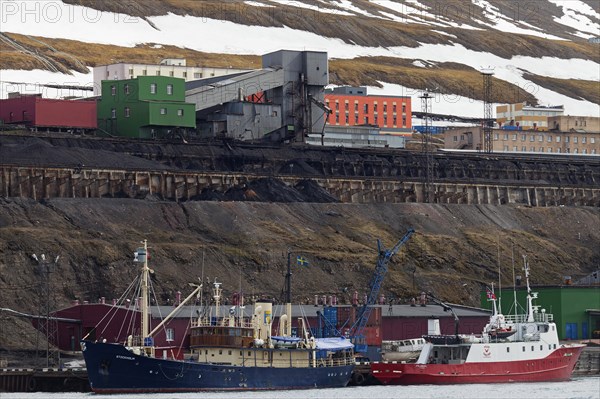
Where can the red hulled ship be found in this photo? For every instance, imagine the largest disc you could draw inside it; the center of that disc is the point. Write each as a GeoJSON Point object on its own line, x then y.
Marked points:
{"type": "Point", "coordinates": [511, 348]}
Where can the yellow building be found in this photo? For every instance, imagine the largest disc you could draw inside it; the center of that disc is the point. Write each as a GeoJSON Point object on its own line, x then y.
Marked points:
{"type": "Point", "coordinates": [555, 142]}
{"type": "Point", "coordinates": [526, 116]}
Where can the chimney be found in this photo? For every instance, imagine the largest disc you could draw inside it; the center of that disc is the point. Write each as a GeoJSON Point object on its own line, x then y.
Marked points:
{"type": "Point", "coordinates": [178, 296]}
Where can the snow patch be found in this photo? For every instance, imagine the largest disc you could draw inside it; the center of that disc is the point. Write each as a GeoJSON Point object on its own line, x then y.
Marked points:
{"type": "Point", "coordinates": [575, 15]}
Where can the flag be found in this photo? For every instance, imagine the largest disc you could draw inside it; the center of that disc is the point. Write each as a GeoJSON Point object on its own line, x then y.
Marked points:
{"type": "Point", "coordinates": [490, 294]}
{"type": "Point", "coordinates": [301, 260]}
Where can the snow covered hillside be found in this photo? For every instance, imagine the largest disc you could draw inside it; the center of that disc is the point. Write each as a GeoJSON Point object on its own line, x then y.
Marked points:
{"type": "Point", "coordinates": [544, 38]}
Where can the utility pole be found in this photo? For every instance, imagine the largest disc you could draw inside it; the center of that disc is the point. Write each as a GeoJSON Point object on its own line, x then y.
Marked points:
{"type": "Point", "coordinates": [45, 325]}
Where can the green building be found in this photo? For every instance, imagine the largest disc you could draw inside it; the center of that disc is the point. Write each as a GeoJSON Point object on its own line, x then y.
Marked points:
{"type": "Point", "coordinates": [576, 309]}
{"type": "Point", "coordinates": [145, 107]}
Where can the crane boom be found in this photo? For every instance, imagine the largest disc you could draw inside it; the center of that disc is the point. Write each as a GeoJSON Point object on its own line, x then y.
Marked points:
{"type": "Point", "coordinates": [383, 259]}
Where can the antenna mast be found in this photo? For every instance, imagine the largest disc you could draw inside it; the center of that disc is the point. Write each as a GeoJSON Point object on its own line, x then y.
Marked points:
{"type": "Point", "coordinates": [426, 147]}
{"type": "Point", "coordinates": [488, 115]}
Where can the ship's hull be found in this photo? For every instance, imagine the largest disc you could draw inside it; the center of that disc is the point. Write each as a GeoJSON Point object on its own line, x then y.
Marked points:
{"type": "Point", "coordinates": [113, 369]}
{"type": "Point", "coordinates": [558, 366]}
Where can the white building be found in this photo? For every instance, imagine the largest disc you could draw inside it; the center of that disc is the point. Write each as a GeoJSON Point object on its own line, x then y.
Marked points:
{"type": "Point", "coordinates": [174, 67]}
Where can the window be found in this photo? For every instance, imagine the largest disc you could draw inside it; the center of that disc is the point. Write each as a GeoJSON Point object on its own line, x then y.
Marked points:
{"type": "Point", "coordinates": [366, 109]}
{"type": "Point", "coordinates": [171, 73]}
{"type": "Point", "coordinates": [507, 349]}
{"type": "Point", "coordinates": [566, 139]}
{"type": "Point", "coordinates": [505, 136]}
{"type": "Point", "coordinates": [337, 105]}
{"type": "Point", "coordinates": [394, 121]}
{"type": "Point", "coordinates": [170, 90]}
{"type": "Point", "coordinates": [375, 120]}
{"type": "Point", "coordinates": [403, 121]}
{"type": "Point", "coordinates": [575, 139]}
{"type": "Point", "coordinates": [127, 112]}
{"type": "Point", "coordinates": [403, 108]}
{"type": "Point", "coordinates": [113, 90]}
{"type": "Point", "coordinates": [384, 107]}
{"type": "Point", "coordinates": [179, 112]}
{"type": "Point", "coordinates": [540, 138]}
{"type": "Point", "coordinates": [126, 89]}
{"type": "Point", "coordinates": [197, 75]}
{"type": "Point", "coordinates": [514, 137]}
{"type": "Point", "coordinates": [170, 334]}
{"type": "Point", "coordinates": [337, 118]}
{"type": "Point", "coordinates": [523, 137]}
{"type": "Point", "coordinates": [455, 138]}
{"type": "Point", "coordinates": [130, 71]}
{"type": "Point", "coordinates": [523, 349]}
{"type": "Point", "coordinates": [113, 113]}
{"type": "Point", "coordinates": [583, 140]}
{"type": "Point", "coordinates": [541, 149]}
{"type": "Point", "coordinates": [592, 140]}
{"type": "Point", "coordinates": [558, 139]}
{"type": "Point", "coordinates": [393, 107]}
{"type": "Point", "coordinates": [496, 136]}
{"type": "Point", "coordinates": [366, 120]}
{"type": "Point", "coordinates": [532, 138]}
{"type": "Point", "coordinates": [158, 72]}
{"type": "Point", "coordinates": [152, 88]}
{"type": "Point", "coordinates": [356, 119]}
{"type": "Point", "coordinates": [549, 140]}
{"type": "Point", "coordinates": [523, 149]}
{"type": "Point", "coordinates": [347, 119]}
{"type": "Point", "coordinates": [505, 149]}
{"type": "Point", "coordinates": [346, 106]}
{"type": "Point", "coordinates": [375, 107]}
{"type": "Point", "coordinates": [144, 72]}
{"type": "Point", "coordinates": [184, 75]}
{"type": "Point", "coordinates": [163, 111]}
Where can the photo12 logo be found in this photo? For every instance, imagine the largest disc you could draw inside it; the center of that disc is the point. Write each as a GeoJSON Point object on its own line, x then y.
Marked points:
{"type": "Point", "coordinates": [55, 12]}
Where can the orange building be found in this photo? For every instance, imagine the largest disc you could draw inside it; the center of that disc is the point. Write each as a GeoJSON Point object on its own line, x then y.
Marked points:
{"type": "Point", "coordinates": [351, 106]}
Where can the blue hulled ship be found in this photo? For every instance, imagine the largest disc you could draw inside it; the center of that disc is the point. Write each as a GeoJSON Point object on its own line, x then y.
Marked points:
{"type": "Point", "coordinates": [227, 352]}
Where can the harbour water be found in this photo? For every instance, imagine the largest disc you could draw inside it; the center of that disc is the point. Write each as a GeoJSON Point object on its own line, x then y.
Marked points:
{"type": "Point", "coordinates": [577, 388]}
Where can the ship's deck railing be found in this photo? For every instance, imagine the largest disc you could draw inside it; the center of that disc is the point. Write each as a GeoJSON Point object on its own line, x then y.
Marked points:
{"type": "Point", "coordinates": [522, 318]}
{"type": "Point", "coordinates": [222, 322]}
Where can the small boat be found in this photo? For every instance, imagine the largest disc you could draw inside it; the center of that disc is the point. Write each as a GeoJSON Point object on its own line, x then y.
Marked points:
{"type": "Point", "coordinates": [511, 348]}
{"type": "Point", "coordinates": [228, 352]}
{"type": "Point", "coordinates": [402, 350]}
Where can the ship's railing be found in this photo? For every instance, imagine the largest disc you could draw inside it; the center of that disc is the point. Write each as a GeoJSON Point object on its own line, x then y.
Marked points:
{"type": "Point", "coordinates": [522, 318]}
{"type": "Point", "coordinates": [222, 322]}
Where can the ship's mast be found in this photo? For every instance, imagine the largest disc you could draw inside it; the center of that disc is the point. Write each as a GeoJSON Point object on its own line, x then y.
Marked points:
{"type": "Point", "coordinates": [529, 296]}
{"type": "Point", "coordinates": [144, 304]}
{"type": "Point", "coordinates": [288, 296]}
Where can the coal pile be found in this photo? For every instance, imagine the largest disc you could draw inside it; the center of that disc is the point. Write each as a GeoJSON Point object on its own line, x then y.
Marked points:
{"type": "Point", "coordinates": [38, 152]}
{"type": "Point", "coordinates": [269, 190]}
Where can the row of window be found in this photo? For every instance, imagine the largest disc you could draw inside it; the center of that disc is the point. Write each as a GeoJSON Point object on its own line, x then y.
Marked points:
{"type": "Point", "coordinates": [153, 89]}
{"type": "Point", "coordinates": [540, 138]}
{"type": "Point", "coordinates": [366, 120]}
{"type": "Point", "coordinates": [366, 107]}
{"type": "Point", "coordinates": [184, 74]}
{"type": "Point", "coordinates": [549, 149]}
{"type": "Point", "coordinates": [127, 112]}
{"type": "Point", "coordinates": [550, 346]}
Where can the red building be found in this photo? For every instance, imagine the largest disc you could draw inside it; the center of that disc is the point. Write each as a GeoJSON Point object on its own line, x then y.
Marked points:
{"type": "Point", "coordinates": [102, 321]}
{"type": "Point", "coordinates": [351, 106]}
{"type": "Point", "coordinates": [36, 112]}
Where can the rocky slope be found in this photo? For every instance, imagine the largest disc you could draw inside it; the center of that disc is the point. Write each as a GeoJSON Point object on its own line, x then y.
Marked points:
{"type": "Point", "coordinates": [245, 243]}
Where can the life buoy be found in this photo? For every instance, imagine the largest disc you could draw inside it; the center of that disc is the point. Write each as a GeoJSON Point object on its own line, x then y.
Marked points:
{"type": "Point", "coordinates": [358, 378]}
{"type": "Point", "coordinates": [31, 384]}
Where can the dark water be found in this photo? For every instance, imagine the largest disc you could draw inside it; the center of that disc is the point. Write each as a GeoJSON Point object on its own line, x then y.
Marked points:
{"type": "Point", "coordinates": [578, 388]}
